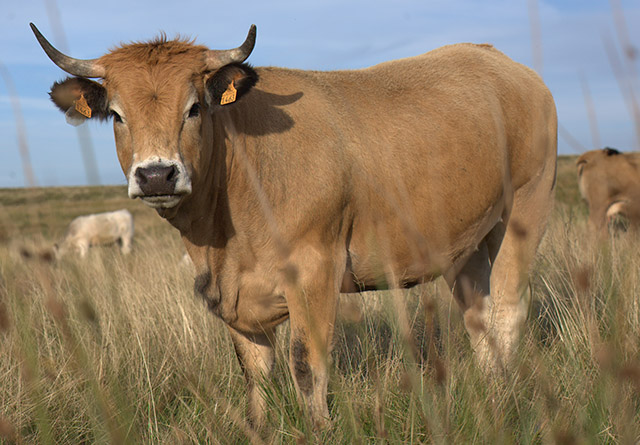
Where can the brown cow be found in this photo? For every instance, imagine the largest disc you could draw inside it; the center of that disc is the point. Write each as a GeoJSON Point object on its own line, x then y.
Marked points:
{"type": "Point", "coordinates": [289, 186]}
{"type": "Point", "coordinates": [610, 183]}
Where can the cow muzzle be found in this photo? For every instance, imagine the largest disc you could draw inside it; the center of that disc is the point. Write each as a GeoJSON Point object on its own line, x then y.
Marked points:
{"type": "Point", "coordinates": [159, 184]}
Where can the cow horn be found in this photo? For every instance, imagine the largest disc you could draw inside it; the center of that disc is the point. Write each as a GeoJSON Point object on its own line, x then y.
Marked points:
{"type": "Point", "coordinates": [75, 67]}
{"type": "Point", "coordinates": [218, 58]}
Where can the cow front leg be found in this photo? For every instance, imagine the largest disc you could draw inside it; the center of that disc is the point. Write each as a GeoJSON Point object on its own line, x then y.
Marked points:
{"type": "Point", "coordinates": [312, 311]}
{"type": "Point", "coordinates": [255, 353]}
{"type": "Point", "coordinates": [309, 361]}
{"type": "Point", "coordinates": [125, 244]}
{"type": "Point", "coordinates": [83, 248]}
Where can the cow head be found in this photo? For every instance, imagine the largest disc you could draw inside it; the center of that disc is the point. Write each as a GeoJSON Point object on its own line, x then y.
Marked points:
{"type": "Point", "coordinates": [161, 96]}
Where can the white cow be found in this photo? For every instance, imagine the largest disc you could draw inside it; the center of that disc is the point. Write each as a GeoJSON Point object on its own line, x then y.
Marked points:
{"type": "Point", "coordinates": [99, 229]}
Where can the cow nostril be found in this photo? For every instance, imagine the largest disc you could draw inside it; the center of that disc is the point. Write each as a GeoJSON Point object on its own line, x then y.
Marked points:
{"type": "Point", "coordinates": [171, 174]}
{"type": "Point", "coordinates": [141, 176]}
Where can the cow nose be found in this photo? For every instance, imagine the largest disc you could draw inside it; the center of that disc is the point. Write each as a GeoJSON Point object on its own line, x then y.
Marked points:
{"type": "Point", "coordinates": [157, 179]}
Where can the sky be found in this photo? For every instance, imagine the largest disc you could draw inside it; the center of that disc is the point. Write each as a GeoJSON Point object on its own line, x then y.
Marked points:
{"type": "Point", "coordinates": [579, 47]}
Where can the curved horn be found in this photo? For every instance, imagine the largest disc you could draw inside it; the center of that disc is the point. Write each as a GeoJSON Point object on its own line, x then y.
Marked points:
{"type": "Point", "coordinates": [76, 67]}
{"type": "Point", "coordinates": [217, 58]}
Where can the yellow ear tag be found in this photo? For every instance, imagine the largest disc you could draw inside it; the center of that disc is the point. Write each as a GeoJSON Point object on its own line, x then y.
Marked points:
{"type": "Point", "coordinates": [83, 107]}
{"type": "Point", "coordinates": [229, 95]}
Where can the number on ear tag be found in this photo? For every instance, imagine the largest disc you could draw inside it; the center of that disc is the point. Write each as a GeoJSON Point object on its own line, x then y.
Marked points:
{"type": "Point", "coordinates": [229, 95]}
{"type": "Point", "coordinates": [83, 107]}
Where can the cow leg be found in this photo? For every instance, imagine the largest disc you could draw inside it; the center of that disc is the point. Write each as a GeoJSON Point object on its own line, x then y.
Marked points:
{"type": "Point", "coordinates": [492, 285]}
{"type": "Point", "coordinates": [471, 288]}
{"type": "Point", "coordinates": [83, 248]}
{"type": "Point", "coordinates": [513, 260]}
{"type": "Point", "coordinates": [312, 310]}
{"type": "Point", "coordinates": [256, 355]}
{"type": "Point", "coordinates": [125, 246]}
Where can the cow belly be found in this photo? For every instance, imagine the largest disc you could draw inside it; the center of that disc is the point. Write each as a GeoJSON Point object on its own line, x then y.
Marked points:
{"type": "Point", "coordinates": [368, 271]}
{"type": "Point", "coordinates": [396, 256]}
{"type": "Point", "coordinates": [103, 238]}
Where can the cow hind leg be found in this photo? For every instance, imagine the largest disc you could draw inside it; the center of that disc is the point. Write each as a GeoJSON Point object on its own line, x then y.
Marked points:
{"type": "Point", "coordinates": [510, 295]}
{"type": "Point", "coordinates": [492, 287]}
{"type": "Point", "coordinates": [256, 356]}
{"type": "Point", "coordinates": [470, 285]}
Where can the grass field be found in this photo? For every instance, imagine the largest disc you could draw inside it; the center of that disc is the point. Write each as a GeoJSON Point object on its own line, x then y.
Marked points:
{"type": "Point", "coordinates": [116, 349]}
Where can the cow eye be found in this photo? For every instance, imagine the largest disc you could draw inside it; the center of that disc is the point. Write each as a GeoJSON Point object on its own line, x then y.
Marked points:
{"type": "Point", "coordinates": [116, 116]}
{"type": "Point", "coordinates": [195, 110]}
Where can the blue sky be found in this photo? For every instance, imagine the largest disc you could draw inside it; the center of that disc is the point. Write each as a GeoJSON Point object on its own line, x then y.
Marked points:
{"type": "Point", "coordinates": [325, 35]}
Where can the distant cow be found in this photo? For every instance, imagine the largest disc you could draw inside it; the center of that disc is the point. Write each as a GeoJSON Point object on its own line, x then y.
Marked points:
{"type": "Point", "coordinates": [98, 229]}
{"type": "Point", "coordinates": [610, 183]}
{"type": "Point", "coordinates": [291, 186]}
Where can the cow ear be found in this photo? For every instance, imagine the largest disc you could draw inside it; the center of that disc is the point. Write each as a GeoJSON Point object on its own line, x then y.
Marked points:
{"type": "Point", "coordinates": [580, 164]}
{"type": "Point", "coordinates": [229, 84]}
{"type": "Point", "coordinates": [80, 98]}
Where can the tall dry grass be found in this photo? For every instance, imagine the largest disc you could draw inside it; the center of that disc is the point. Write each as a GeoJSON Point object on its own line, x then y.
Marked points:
{"type": "Point", "coordinates": [117, 349]}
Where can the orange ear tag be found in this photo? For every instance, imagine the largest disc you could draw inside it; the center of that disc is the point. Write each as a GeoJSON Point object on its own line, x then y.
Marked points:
{"type": "Point", "coordinates": [229, 95]}
{"type": "Point", "coordinates": [83, 107]}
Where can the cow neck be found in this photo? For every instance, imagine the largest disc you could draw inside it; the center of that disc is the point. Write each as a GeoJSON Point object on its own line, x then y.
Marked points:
{"type": "Point", "coordinates": [204, 219]}
{"type": "Point", "coordinates": [250, 213]}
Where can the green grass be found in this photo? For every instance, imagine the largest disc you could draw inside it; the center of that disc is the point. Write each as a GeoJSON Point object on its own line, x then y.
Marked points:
{"type": "Point", "coordinates": [117, 349]}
